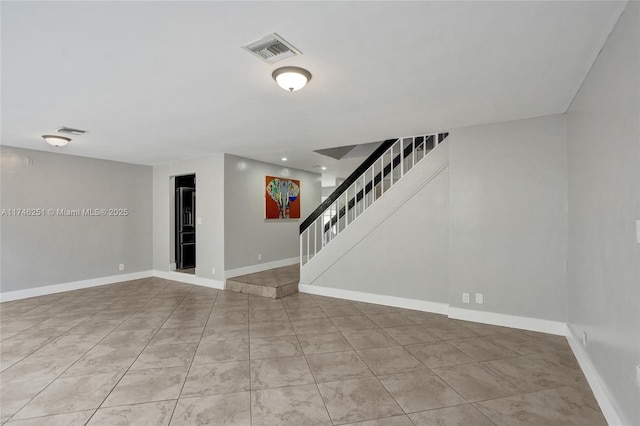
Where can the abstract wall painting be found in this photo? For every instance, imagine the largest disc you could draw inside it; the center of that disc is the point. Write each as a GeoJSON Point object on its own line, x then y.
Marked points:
{"type": "Point", "coordinates": [282, 197]}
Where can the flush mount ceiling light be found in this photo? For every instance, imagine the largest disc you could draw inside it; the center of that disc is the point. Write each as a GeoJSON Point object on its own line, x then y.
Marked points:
{"type": "Point", "coordinates": [56, 140]}
{"type": "Point", "coordinates": [291, 78]}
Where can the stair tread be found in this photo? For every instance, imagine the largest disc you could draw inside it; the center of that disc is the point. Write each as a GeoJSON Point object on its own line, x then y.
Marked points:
{"type": "Point", "coordinates": [273, 283]}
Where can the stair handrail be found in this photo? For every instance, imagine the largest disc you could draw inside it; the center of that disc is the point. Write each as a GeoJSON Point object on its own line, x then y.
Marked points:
{"type": "Point", "coordinates": [406, 152]}
{"type": "Point", "coordinates": [371, 159]}
{"type": "Point", "coordinates": [348, 201]}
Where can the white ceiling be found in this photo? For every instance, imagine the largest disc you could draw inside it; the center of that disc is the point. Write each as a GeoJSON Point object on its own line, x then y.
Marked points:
{"type": "Point", "coordinates": [155, 82]}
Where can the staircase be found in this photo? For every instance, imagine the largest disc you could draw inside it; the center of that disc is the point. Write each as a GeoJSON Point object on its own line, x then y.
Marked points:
{"type": "Point", "coordinates": [385, 167]}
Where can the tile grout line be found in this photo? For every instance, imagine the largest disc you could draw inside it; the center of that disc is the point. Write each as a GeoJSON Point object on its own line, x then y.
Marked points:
{"type": "Point", "coordinates": [315, 381]}
{"type": "Point", "coordinates": [365, 363]}
{"type": "Point", "coordinates": [141, 351]}
{"type": "Point", "coordinates": [402, 346]}
{"type": "Point", "coordinates": [382, 384]}
{"type": "Point", "coordinates": [72, 364]}
{"type": "Point", "coordinates": [46, 342]}
{"type": "Point", "coordinates": [378, 327]}
{"type": "Point", "coordinates": [186, 377]}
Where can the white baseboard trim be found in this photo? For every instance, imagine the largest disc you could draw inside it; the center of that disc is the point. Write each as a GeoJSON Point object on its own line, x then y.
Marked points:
{"type": "Point", "coordinates": [260, 267]}
{"type": "Point", "coordinates": [74, 285]}
{"type": "Point", "coordinates": [189, 279]}
{"type": "Point", "coordinates": [599, 388]}
{"type": "Point", "coordinates": [397, 302]}
{"type": "Point", "coordinates": [524, 323]}
{"type": "Point", "coordinates": [512, 321]}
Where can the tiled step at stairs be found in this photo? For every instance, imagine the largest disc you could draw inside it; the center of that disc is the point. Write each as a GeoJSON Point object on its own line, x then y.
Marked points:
{"type": "Point", "coordinates": [273, 283]}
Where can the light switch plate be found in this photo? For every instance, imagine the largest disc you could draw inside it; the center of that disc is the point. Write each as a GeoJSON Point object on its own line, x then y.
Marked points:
{"type": "Point", "coordinates": [465, 297]}
{"type": "Point", "coordinates": [479, 298]}
{"type": "Point", "coordinates": [199, 221]}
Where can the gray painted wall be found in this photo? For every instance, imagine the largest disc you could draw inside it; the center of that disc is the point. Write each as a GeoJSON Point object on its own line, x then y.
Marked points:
{"type": "Point", "coordinates": [508, 226]}
{"type": "Point", "coordinates": [603, 128]}
{"type": "Point", "coordinates": [209, 173]}
{"type": "Point", "coordinates": [503, 232]}
{"type": "Point", "coordinates": [247, 232]}
{"type": "Point", "coordinates": [40, 251]}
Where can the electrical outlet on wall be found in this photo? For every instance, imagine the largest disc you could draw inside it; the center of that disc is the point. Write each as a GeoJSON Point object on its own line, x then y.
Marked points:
{"type": "Point", "coordinates": [121, 267]}
{"type": "Point", "coordinates": [213, 271]}
{"type": "Point", "coordinates": [638, 375]}
{"type": "Point", "coordinates": [584, 339]}
{"type": "Point", "coordinates": [465, 297]}
{"type": "Point", "coordinates": [479, 298]}
{"type": "Point", "coordinates": [259, 256]}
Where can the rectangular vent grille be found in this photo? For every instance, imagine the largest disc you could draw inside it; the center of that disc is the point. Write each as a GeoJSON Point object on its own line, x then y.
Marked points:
{"type": "Point", "coordinates": [272, 49]}
{"type": "Point", "coordinates": [70, 131]}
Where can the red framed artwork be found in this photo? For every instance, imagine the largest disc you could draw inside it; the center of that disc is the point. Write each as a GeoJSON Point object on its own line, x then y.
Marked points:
{"type": "Point", "coordinates": [282, 198]}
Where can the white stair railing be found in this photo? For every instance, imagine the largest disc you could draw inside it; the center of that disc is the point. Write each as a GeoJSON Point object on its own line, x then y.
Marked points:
{"type": "Point", "coordinates": [361, 190]}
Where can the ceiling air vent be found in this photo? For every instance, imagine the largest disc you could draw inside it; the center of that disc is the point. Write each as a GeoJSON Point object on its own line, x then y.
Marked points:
{"type": "Point", "coordinates": [272, 49]}
{"type": "Point", "coordinates": [70, 131]}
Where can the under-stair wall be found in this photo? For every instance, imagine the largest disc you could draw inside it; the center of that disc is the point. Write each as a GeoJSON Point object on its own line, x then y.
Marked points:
{"type": "Point", "coordinates": [398, 249]}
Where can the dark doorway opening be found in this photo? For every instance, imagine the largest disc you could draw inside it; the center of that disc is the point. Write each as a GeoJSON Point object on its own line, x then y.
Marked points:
{"type": "Point", "coordinates": [185, 223]}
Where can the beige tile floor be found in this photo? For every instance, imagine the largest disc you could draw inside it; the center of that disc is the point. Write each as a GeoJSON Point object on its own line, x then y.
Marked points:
{"type": "Point", "coordinates": [158, 352]}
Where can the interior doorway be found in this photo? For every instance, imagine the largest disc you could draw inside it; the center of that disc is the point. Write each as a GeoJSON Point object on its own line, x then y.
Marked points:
{"type": "Point", "coordinates": [185, 223]}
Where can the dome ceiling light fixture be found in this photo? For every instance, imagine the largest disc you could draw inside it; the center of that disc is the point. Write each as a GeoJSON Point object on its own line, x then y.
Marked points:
{"type": "Point", "coordinates": [291, 78]}
{"type": "Point", "coordinates": [55, 140]}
